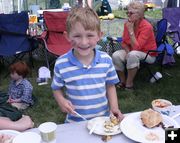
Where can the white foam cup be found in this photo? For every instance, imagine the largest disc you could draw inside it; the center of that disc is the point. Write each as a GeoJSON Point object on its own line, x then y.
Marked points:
{"type": "Point", "coordinates": [157, 75]}
{"type": "Point", "coordinates": [178, 50]}
{"type": "Point", "coordinates": [48, 132]}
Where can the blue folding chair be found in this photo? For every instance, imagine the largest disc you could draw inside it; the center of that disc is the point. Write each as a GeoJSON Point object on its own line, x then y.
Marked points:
{"type": "Point", "coordinates": [14, 42]}
{"type": "Point", "coordinates": [164, 49]}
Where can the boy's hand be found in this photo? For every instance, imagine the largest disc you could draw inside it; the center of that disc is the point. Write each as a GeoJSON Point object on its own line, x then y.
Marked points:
{"type": "Point", "coordinates": [66, 106]}
{"type": "Point", "coordinates": [117, 113]}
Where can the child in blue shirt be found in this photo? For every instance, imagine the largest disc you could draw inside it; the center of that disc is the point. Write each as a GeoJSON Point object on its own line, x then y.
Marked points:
{"type": "Point", "coordinates": [20, 89]}
{"type": "Point", "coordinates": [87, 74]}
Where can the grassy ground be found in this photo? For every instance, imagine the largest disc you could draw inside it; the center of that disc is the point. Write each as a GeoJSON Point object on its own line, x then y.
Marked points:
{"type": "Point", "coordinates": [46, 109]}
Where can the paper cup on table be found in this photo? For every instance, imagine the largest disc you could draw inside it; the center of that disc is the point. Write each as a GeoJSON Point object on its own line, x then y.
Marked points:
{"type": "Point", "coordinates": [48, 132]}
{"type": "Point", "coordinates": [27, 137]}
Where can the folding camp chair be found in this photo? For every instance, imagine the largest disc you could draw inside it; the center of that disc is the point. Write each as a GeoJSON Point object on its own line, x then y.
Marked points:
{"type": "Point", "coordinates": [164, 50]}
{"type": "Point", "coordinates": [53, 38]}
{"type": "Point", "coordinates": [173, 17]}
{"type": "Point", "coordinates": [14, 42]}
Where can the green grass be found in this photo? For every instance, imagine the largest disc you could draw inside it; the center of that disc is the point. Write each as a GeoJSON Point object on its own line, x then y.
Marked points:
{"type": "Point", "coordinates": [46, 109]}
{"type": "Point", "coordinates": [145, 91]}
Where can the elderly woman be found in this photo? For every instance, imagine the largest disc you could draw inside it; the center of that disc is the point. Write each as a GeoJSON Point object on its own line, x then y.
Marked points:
{"type": "Point", "coordinates": [138, 39]}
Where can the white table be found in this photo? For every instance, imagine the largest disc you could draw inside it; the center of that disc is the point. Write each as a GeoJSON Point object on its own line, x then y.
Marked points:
{"type": "Point", "coordinates": [78, 133]}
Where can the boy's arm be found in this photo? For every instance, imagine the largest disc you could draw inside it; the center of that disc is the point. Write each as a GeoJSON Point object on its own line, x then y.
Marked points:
{"type": "Point", "coordinates": [65, 105]}
{"type": "Point", "coordinates": [113, 101]}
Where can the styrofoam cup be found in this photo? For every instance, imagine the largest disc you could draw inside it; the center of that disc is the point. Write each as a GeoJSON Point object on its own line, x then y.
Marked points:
{"type": "Point", "coordinates": [48, 132]}
{"type": "Point", "coordinates": [178, 50]}
{"type": "Point", "coordinates": [157, 75]}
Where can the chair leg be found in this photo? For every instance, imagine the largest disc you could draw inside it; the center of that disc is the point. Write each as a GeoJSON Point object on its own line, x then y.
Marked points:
{"type": "Point", "coordinates": [46, 56]}
{"type": "Point", "coordinates": [31, 59]}
{"type": "Point", "coordinates": [150, 72]}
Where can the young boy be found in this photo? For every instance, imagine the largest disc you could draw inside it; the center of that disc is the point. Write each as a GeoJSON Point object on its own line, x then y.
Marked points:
{"type": "Point", "coordinates": [87, 74]}
{"type": "Point", "coordinates": [20, 89]}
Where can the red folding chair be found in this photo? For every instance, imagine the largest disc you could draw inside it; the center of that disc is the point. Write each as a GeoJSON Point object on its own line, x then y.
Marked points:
{"type": "Point", "coordinates": [53, 38]}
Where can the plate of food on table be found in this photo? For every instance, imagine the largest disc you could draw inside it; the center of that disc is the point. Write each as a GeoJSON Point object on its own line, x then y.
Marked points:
{"type": "Point", "coordinates": [104, 125]}
{"type": "Point", "coordinates": [7, 136]}
{"type": "Point", "coordinates": [147, 126]}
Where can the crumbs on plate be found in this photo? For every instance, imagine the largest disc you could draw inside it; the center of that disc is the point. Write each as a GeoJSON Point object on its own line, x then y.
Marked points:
{"type": "Point", "coordinates": [152, 136]}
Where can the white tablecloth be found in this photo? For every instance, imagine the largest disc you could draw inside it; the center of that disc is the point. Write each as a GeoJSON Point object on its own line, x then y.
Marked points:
{"type": "Point", "coordinates": [78, 132]}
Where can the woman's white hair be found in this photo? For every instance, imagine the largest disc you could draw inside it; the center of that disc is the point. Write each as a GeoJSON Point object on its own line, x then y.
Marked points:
{"type": "Point", "coordinates": [137, 6]}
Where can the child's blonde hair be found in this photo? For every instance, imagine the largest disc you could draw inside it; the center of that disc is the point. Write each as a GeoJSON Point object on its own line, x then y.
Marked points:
{"type": "Point", "coordinates": [86, 16]}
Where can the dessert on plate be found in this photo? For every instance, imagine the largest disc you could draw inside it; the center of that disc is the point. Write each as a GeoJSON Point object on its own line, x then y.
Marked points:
{"type": "Point", "coordinates": [110, 124]}
{"type": "Point", "coordinates": [161, 103]}
{"type": "Point", "coordinates": [151, 118]}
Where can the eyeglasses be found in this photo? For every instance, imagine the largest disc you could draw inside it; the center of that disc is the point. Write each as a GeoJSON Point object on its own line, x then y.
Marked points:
{"type": "Point", "coordinates": [130, 13]}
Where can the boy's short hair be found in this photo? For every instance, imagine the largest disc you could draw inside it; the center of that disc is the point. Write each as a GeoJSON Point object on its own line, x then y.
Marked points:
{"type": "Point", "coordinates": [86, 16]}
{"type": "Point", "coordinates": [21, 68]}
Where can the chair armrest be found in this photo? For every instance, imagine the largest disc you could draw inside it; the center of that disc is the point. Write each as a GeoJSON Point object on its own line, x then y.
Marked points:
{"type": "Point", "coordinates": [151, 51]}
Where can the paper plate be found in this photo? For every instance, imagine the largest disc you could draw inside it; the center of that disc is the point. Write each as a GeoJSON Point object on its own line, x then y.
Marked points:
{"type": "Point", "coordinates": [27, 137]}
{"type": "Point", "coordinates": [9, 132]}
{"type": "Point", "coordinates": [133, 128]}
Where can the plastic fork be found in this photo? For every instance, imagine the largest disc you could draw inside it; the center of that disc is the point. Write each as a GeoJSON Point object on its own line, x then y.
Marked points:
{"type": "Point", "coordinates": [80, 115]}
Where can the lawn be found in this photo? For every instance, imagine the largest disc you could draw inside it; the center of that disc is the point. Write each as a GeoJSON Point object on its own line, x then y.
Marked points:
{"type": "Point", "coordinates": [46, 109]}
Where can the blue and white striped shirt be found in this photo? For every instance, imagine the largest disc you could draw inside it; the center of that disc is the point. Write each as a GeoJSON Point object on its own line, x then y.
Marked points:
{"type": "Point", "coordinates": [85, 86]}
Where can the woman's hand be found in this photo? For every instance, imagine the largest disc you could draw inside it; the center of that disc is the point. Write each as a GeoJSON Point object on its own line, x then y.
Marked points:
{"type": "Point", "coordinates": [130, 26]}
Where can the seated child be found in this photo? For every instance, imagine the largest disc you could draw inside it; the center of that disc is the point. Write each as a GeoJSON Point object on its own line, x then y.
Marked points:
{"type": "Point", "coordinates": [20, 89]}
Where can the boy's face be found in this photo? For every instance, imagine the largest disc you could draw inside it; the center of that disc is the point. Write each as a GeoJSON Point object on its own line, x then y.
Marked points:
{"type": "Point", "coordinates": [15, 76]}
{"type": "Point", "coordinates": [83, 41]}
